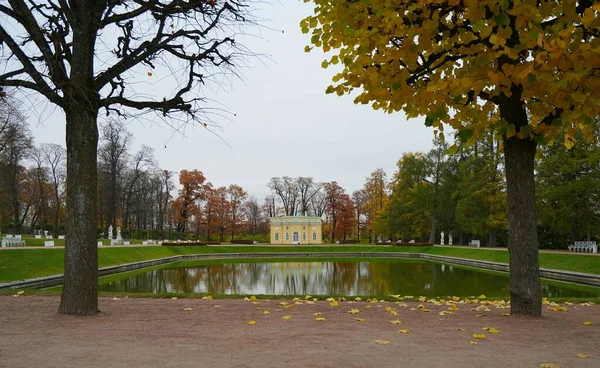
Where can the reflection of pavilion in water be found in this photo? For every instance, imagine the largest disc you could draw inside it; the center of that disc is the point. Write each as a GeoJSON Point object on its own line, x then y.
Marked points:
{"type": "Point", "coordinates": [364, 277]}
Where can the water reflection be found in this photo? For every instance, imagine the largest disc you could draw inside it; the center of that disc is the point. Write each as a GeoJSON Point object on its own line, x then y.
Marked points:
{"type": "Point", "coordinates": [360, 277]}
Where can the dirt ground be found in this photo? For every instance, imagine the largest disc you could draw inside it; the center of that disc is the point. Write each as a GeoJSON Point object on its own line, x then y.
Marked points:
{"type": "Point", "coordinates": [214, 333]}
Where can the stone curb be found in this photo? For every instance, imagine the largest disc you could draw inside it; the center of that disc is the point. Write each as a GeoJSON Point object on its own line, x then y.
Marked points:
{"type": "Point", "coordinates": [48, 281]}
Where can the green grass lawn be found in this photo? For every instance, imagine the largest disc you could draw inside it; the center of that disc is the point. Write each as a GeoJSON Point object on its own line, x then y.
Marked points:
{"type": "Point", "coordinates": [19, 264]}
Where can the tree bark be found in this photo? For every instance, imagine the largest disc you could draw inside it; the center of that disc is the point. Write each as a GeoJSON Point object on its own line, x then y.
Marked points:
{"type": "Point", "coordinates": [80, 283]}
{"type": "Point", "coordinates": [519, 155]}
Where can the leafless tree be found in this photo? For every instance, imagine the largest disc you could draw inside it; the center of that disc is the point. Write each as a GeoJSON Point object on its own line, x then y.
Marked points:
{"type": "Point", "coordinates": [253, 213]}
{"type": "Point", "coordinates": [55, 157]}
{"type": "Point", "coordinates": [141, 163]}
{"type": "Point", "coordinates": [307, 189]}
{"type": "Point", "coordinates": [112, 157]}
{"type": "Point", "coordinates": [286, 189]}
{"type": "Point", "coordinates": [83, 56]}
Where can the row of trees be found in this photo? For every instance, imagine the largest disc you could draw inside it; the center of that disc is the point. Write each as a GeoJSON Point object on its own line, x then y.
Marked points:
{"type": "Point", "coordinates": [465, 194]}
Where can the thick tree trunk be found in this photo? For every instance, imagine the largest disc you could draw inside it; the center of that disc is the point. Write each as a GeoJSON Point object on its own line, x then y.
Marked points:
{"type": "Point", "coordinates": [519, 154]}
{"type": "Point", "coordinates": [80, 283]}
{"type": "Point", "coordinates": [80, 290]}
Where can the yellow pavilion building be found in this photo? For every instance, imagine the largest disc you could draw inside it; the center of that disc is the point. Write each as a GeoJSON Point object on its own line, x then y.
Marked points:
{"type": "Point", "coordinates": [296, 230]}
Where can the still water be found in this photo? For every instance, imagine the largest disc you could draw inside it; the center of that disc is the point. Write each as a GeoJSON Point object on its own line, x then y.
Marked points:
{"type": "Point", "coordinates": [331, 277]}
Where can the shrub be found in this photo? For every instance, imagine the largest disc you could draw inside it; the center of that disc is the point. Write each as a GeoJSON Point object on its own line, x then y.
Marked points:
{"type": "Point", "coordinates": [350, 241]}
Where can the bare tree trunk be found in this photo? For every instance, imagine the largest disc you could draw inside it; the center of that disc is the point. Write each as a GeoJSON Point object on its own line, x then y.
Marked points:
{"type": "Point", "coordinates": [519, 155]}
{"type": "Point", "coordinates": [80, 282]}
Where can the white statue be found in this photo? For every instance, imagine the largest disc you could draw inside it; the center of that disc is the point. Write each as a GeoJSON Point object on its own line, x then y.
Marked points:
{"type": "Point", "coordinates": [110, 233]}
{"type": "Point", "coordinates": [442, 238]}
{"type": "Point", "coordinates": [119, 233]}
{"type": "Point", "coordinates": [450, 238]}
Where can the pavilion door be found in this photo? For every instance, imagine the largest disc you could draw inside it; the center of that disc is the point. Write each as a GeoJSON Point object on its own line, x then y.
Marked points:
{"type": "Point", "coordinates": [296, 238]}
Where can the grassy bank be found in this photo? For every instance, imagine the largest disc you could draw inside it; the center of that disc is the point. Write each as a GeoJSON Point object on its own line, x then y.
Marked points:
{"type": "Point", "coordinates": [19, 264]}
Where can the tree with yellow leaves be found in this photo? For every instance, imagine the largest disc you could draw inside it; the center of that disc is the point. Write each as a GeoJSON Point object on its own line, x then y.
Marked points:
{"type": "Point", "coordinates": [533, 64]}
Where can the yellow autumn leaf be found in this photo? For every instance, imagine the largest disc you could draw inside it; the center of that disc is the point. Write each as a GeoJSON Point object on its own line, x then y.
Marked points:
{"type": "Point", "coordinates": [460, 329]}
{"type": "Point", "coordinates": [582, 355]}
{"type": "Point", "coordinates": [505, 314]}
{"type": "Point", "coordinates": [20, 292]}
{"type": "Point", "coordinates": [317, 314]}
{"type": "Point", "coordinates": [359, 319]}
{"type": "Point", "coordinates": [492, 330]}
{"type": "Point", "coordinates": [479, 336]}
{"type": "Point", "coordinates": [482, 296]}
{"type": "Point", "coordinates": [208, 297]}
{"type": "Point", "coordinates": [218, 306]}
{"type": "Point", "coordinates": [306, 297]}
{"type": "Point", "coordinates": [353, 311]}
{"type": "Point", "coordinates": [368, 307]}
{"type": "Point", "coordinates": [396, 322]}
{"type": "Point", "coordinates": [453, 307]}
{"type": "Point", "coordinates": [587, 323]}
{"type": "Point", "coordinates": [588, 16]}
{"type": "Point", "coordinates": [549, 365]}
{"type": "Point", "coordinates": [114, 298]}
{"type": "Point", "coordinates": [286, 317]}
{"type": "Point", "coordinates": [358, 299]}
{"type": "Point", "coordinates": [382, 342]}
{"type": "Point", "coordinates": [425, 310]}
{"type": "Point", "coordinates": [174, 298]}
{"type": "Point", "coordinates": [404, 331]}
{"type": "Point", "coordinates": [578, 96]}
{"type": "Point", "coordinates": [187, 309]}
{"type": "Point", "coordinates": [422, 299]}
{"type": "Point", "coordinates": [334, 303]}
{"type": "Point", "coordinates": [473, 343]}
{"type": "Point", "coordinates": [320, 319]}
{"type": "Point", "coordinates": [251, 323]}
{"type": "Point", "coordinates": [266, 312]}
{"type": "Point", "coordinates": [374, 300]}
{"type": "Point", "coordinates": [253, 298]}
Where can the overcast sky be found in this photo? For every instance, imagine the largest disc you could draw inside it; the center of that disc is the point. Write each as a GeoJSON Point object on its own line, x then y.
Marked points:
{"type": "Point", "coordinates": [285, 123]}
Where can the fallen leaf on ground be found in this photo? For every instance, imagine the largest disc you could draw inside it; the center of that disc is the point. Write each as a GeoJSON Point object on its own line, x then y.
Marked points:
{"type": "Point", "coordinates": [382, 342]}
{"type": "Point", "coordinates": [187, 309]}
{"type": "Point", "coordinates": [115, 298]}
{"type": "Point", "coordinates": [360, 319]}
{"type": "Point", "coordinates": [354, 311]}
{"type": "Point", "coordinates": [548, 365]}
{"type": "Point", "coordinates": [286, 317]}
{"type": "Point", "coordinates": [334, 303]}
{"type": "Point", "coordinates": [460, 329]}
{"type": "Point", "coordinates": [396, 322]}
{"type": "Point", "coordinates": [479, 336]}
{"type": "Point", "coordinates": [20, 292]}
{"type": "Point", "coordinates": [208, 297]}
{"type": "Point", "coordinates": [320, 319]}
{"type": "Point", "coordinates": [251, 323]}
{"type": "Point", "coordinates": [317, 314]}
{"type": "Point", "coordinates": [505, 314]}
{"type": "Point", "coordinates": [582, 355]}
{"type": "Point", "coordinates": [174, 298]}
{"type": "Point", "coordinates": [218, 306]}
{"type": "Point", "coordinates": [491, 330]}
{"type": "Point", "coordinates": [587, 323]}
{"type": "Point", "coordinates": [482, 296]}
{"type": "Point", "coordinates": [368, 307]}
{"type": "Point", "coordinates": [473, 343]}
{"type": "Point", "coordinates": [404, 331]}
{"type": "Point", "coordinates": [266, 312]}
{"type": "Point", "coordinates": [357, 299]}
{"type": "Point", "coordinates": [253, 298]}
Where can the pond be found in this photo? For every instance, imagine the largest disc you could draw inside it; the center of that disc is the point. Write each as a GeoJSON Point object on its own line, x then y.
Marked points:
{"type": "Point", "coordinates": [368, 277]}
